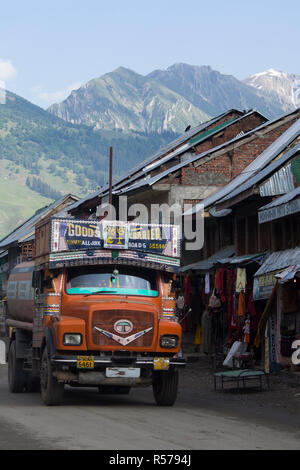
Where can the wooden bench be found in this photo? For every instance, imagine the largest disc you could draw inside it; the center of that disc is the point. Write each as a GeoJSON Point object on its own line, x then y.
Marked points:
{"type": "Point", "coordinates": [242, 375]}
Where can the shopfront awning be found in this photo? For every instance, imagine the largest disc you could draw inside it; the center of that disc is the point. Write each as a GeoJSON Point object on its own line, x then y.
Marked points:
{"type": "Point", "coordinates": [288, 274]}
{"type": "Point", "coordinates": [207, 264]}
{"type": "Point", "coordinates": [279, 266]}
{"type": "Point", "coordinates": [280, 260]}
{"type": "Point", "coordinates": [240, 260]}
{"type": "Point", "coordinates": [281, 207]}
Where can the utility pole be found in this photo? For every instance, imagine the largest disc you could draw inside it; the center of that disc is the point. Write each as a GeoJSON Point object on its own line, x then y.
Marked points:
{"type": "Point", "coordinates": [110, 174]}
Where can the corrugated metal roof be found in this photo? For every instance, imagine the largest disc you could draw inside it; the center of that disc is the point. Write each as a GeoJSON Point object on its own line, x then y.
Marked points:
{"type": "Point", "coordinates": [183, 138]}
{"type": "Point", "coordinates": [168, 157]}
{"type": "Point", "coordinates": [282, 199]}
{"type": "Point", "coordinates": [152, 162]}
{"type": "Point", "coordinates": [272, 153]}
{"type": "Point", "coordinates": [258, 164]}
{"type": "Point", "coordinates": [288, 274]}
{"type": "Point", "coordinates": [279, 260]}
{"type": "Point", "coordinates": [280, 182]}
{"type": "Point", "coordinates": [261, 161]}
{"type": "Point", "coordinates": [208, 263]}
{"type": "Point", "coordinates": [194, 141]}
{"type": "Point", "coordinates": [138, 184]}
{"type": "Point", "coordinates": [241, 259]}
{"type": "Point", "coordinates": [284, 206]}
{"type": "Point", "coordinates": [149, 181]}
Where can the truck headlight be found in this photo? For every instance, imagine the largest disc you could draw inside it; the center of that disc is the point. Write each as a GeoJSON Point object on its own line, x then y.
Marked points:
{"type": "Point", "coordinates": [72, 339]}
{"type": "Point", "coordinates": [168, 341]}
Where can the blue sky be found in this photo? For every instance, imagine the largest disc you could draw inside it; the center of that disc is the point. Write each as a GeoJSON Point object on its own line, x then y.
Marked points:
{"type": "Point", "coordinates": [49, 48]}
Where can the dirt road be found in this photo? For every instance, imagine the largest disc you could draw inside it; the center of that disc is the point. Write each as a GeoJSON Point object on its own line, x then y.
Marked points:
{"type": "Point", "coordinates": [201, 418]}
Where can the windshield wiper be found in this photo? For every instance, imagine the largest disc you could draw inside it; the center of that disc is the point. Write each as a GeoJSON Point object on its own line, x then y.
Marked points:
{"type": "Point", "coordinates": [100, 292]}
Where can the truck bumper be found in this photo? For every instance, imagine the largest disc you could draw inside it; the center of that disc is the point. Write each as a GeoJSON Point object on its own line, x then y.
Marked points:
{"type": "Point", "coordinates": [112, 371]}
{"type": "Point", "coordinates": [100, 363]}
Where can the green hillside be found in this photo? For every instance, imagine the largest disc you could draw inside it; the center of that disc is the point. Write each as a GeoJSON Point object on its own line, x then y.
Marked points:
{"type": "Point", "coordinates": [17, 203]}
{"type": "Point", "coordinates": [38, 147]}
{"type": "Point", "coordinates": [29, 134]}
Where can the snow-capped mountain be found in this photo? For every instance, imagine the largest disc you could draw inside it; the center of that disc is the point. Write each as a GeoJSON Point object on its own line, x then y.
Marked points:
{"type": "Point", "coordinates": [285, 87]}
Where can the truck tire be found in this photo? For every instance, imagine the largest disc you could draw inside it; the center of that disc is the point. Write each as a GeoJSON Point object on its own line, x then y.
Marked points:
{"type": "Point", "coordinates": [16, 375]}
{"type": "Point", "coordinates": [165, 386]}
{"type": "Point", "coordinates": [51, 390]}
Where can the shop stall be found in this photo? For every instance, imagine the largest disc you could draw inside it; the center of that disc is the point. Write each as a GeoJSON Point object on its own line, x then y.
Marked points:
{"type": "Point", "coordinates": [278, 280]}
{"type": "Point", "coordinates": [222, 307]}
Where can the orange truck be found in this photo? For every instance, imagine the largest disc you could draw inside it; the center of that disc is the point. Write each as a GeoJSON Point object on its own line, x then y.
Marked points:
{"type": "Point", "coordinates": [96, 308]}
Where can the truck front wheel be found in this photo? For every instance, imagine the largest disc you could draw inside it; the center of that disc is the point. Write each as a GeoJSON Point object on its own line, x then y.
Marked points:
{"type": "Point", "coordinates": [52, 391]}
{"type": "Point", "coordinates": [16, 375]}
{"type": "Point", "coordinates": [165, 386]}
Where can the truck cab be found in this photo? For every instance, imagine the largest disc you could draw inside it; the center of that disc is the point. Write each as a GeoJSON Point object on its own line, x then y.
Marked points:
{"type": "Point", "coordinates": [105, 323]}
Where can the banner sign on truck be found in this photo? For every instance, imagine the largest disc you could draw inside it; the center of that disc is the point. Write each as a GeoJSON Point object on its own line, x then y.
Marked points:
{"type": "Point", "coordinates": [70, 235]}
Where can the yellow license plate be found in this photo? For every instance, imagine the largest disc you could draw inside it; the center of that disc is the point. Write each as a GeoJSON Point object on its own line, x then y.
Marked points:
{"type": "Point", "coordinates": [85, 362]}
{"type": "Point", "coordinates": [161, 363]}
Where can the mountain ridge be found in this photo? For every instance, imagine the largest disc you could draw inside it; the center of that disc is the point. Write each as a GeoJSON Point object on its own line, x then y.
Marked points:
{"type": "Point", "coordinates": [168, 99]}
{"type": "Point", "coordinates": [213, 91]}
{"type": "Point", "coordinates": [125, 100]}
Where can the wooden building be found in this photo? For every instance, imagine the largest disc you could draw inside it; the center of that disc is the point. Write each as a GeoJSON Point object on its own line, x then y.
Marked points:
{"type": "Point", "coordinates": [257, 215]}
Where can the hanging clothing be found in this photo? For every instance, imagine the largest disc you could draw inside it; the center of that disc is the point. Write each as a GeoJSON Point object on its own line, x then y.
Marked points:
{"type": "Point", "coordinates": [255, 312]}
{"type": "Point", "coordinates": [214, 301]}
{"type": "Point", "coordinates": [229, 293]}
{"type": "Point", "coordinates": [241, 305]}
{"type": "Point", "coordinates": [207, 284]}
{"type": "Point", "coordinates": [203, 293]}
{"type": "Point", "coordinates": [187, 289]}
{"type": "Point", "coordinates": [220, 283]}
{"type": "Point", "coordinates": [240, 280]}
{"type": "Point", "coordinates": [234, 321]}
{"type": "Point", "coordinates": [246, 330]}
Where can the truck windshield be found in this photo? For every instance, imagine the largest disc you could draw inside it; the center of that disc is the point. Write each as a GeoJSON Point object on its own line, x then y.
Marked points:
{"type": "Point", "coordinates": [91, 280]}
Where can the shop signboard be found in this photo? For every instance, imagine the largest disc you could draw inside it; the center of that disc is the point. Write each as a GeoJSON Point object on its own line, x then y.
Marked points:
{"type": "Point", "coordinates": [263, 286]}
{"type": "Point", "coordinates": [277, 212]}
{"type": "Point", "coordinates": [68, 235]}
{"type": "Point", "coordinates": [272, 340]}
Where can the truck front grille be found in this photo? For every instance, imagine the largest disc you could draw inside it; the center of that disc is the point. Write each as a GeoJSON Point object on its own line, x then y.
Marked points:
{"type": "Point", "coordinates": [107, 320]}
